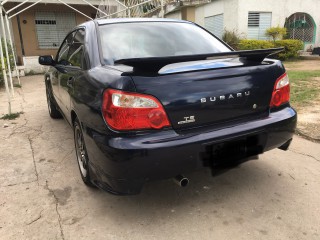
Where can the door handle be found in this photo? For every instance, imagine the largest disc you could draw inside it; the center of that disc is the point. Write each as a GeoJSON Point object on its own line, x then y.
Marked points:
{"type": "Point", "coordinates": [70, 82]}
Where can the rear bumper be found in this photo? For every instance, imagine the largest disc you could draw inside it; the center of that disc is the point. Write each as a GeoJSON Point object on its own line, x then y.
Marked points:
{"type": "Point", "coordinates": [122, 164]}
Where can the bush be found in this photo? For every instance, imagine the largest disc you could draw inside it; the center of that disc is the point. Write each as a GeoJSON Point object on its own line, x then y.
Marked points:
{"type": "Point", "coordinates": [276, 33]}
{"type": "Point", "coordinates": [5, 59]}
{"type": "Point", "coordinates": [291, 47]}
{"type": "Point", "coordinates": [232, 38]}
{"type": "Point", "coordinates": [254, 44]}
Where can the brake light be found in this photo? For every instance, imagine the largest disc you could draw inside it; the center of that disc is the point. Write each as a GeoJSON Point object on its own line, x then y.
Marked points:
{"type": "Point", "coordinates": [132, 111]}
{"type": "Point", "coordinates": [281, 91]}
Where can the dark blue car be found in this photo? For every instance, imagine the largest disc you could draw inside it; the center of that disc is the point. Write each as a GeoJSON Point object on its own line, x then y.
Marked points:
{"type": "Point", "coordinates": [152, 99]}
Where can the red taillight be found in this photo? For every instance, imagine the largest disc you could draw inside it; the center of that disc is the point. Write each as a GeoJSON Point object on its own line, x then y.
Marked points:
{"type": "Point", "coordinates": [281, 91]}
{"type": "Point", "coordinates": [132, 111]}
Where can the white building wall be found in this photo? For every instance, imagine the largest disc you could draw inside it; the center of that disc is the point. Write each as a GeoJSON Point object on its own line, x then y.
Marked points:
{"type": "Point", "coordinates": [236, 12]}
{"type": "Point", "coordinates": [231, 15]}
{"type": "Point", "coordinates": [207, 10]}
{"type": "Point", "coordinates": [229, 9]}
{"type": "Point", "coordinates": [31, 65]}
{"type": "Point", "coordinates": [174, 15]}
{"type": "Point", "coordinates": [281, 9]}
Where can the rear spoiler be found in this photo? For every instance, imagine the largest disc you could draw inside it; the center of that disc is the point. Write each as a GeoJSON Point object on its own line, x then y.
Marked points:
{"type": "Point", "coordinates": [154, 64]}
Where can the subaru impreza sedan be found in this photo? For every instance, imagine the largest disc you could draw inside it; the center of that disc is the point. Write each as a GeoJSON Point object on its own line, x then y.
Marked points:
{"type": "Point", "coordinates": [152, 99]}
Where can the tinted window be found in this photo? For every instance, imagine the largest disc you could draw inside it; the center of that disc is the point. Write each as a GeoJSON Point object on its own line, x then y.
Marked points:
{"type": "Point", "coordinates": [64, 50]}
{"type": "Point", "coordinates": [75, 56]}
{"type": "Point", "coordinates": [156, 39]}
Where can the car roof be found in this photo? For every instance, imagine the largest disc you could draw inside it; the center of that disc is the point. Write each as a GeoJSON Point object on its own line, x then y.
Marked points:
{"type": "Point", "coordinates": [132, 20]}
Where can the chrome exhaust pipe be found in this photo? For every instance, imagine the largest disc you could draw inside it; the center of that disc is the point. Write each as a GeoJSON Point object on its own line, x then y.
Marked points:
{"type": "Point", "coordinates": [181, 180]}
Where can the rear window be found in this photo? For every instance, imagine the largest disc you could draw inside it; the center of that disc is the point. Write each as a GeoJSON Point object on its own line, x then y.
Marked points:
{"type": "Point", "coordinates": [155, 39]}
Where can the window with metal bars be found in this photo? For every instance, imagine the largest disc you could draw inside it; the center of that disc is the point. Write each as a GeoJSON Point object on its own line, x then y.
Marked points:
{"type": "Point", "coordinates": [52, 27]}
{"type": "Point", "coordinates": [253, 19]}
{"type": "Point", "coordinates": [258, 23]}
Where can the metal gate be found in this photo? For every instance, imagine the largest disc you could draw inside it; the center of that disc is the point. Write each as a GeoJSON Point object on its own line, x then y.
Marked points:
{"type": "Point", "coordinates": [301, 26]}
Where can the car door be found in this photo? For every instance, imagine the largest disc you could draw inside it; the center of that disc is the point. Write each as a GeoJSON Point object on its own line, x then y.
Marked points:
{"type": "Point", "coordinates": [54, 74]}
{"type": "Point", "coordinates": [60, 69]}
{"type": "Point", "coordinates": [71, 71]}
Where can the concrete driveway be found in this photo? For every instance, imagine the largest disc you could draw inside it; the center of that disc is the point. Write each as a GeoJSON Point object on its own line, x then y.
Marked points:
{"type": "Point", "coordinates": [42, 195]}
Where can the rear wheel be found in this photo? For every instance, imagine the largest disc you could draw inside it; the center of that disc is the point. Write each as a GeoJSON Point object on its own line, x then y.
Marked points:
{"type": "Point", "coordinates": [52, 106]}
{"type": "Point", "coordinates": [81, 153]}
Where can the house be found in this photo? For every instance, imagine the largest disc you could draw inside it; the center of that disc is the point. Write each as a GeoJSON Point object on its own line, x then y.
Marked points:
{"type": "Point", "coordinates": [40, 29]}
{"type": "Point", "coordinates": [251, 18]}
{"type": "Point", "coordinates": [39, 26]}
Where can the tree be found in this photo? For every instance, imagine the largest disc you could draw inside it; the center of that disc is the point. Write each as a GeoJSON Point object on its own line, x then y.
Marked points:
{"type": "Point", "coordinates": [276, 32]}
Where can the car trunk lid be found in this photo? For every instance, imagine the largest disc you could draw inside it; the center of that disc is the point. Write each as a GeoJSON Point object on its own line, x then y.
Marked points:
{"type": "Point", "coordinates": [196, 91]}
{"type": "Point", "coordinates": [198, 98]}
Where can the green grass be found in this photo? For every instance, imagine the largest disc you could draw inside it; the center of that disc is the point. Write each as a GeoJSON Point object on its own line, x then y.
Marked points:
{"type": "Point", "coordinates": [304, 87]}
{"type": "Point", "coordinates": [17, 85]}
{"type": "Point", "coordinates": [11, 116]}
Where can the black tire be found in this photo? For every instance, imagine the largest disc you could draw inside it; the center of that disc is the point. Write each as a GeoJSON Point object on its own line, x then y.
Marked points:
{"type": "Point", "coordinates": [52, 105]}
{"type": "Point", "coordinates": [81, 154]}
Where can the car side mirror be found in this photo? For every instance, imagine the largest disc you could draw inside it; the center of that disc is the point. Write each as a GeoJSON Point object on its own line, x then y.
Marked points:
{"type": "Point", "coordinates": [46, 60]}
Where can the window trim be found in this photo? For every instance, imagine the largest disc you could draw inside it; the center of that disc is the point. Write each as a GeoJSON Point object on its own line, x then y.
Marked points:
{"type": "Point", "coordinates": [88, 66]}
{"type": "Point", "coordinates": [102, 60]}
{"type": "Point", "coordinates": [58, 52]}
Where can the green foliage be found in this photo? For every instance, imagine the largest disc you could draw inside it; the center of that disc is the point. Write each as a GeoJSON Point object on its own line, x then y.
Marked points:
{"type": "Point", "coordinates": [254, 44]}
{"type": "Point", "coordinates": [232, 38]}
{"type": "Point", "coordinates": [5, 59]}
{"type": "Point", "coordinates": [291, 47]}
{"type": "Point", "coordinates": [276, 33]}
{"type": "Point", "coordinates": [11, 116]}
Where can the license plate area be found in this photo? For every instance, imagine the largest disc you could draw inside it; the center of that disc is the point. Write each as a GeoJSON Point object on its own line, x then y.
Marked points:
{"type": "Point", "coordinates": [233, 150]}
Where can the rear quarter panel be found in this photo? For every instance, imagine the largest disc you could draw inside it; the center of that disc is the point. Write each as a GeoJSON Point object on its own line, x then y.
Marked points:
{"type": "Point", "coordinates": [86, 97]}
